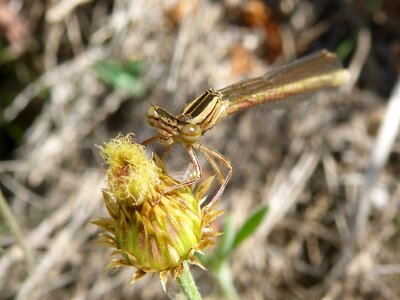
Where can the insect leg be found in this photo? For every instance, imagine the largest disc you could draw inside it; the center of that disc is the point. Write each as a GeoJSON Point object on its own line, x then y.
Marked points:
{"type": "Point", "coordinates": [211, 152]}
{"type": "Point", "coordinates": [149, 141]}
{"type": "Point", "coordinates": [197, 171]}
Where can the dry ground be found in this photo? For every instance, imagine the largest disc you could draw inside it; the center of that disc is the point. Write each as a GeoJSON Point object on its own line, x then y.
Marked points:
{"type": "Point", "coordinates": [328, 168]}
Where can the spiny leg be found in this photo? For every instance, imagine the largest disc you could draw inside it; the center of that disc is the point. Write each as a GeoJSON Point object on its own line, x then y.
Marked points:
{"type": "Point", "coordinates": [197, 171]}
{"type": "Point", "coordinates": [149, 140]}
{"type": "Point", "coordinates": [215, 167]}
{"type": "Point", "coordinates": [166, 153]}
{"type": "Point", "coordinates": [193, 158]}
{"type": "Point", "coordinates": [211, 152]}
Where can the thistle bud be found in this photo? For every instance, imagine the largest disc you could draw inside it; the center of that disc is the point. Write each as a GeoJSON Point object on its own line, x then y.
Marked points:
{"type": "Point", "coordinates": [149, 229]}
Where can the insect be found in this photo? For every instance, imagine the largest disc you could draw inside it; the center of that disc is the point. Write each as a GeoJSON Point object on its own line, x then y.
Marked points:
{"type": "Point", "coordinates": [294, 82]}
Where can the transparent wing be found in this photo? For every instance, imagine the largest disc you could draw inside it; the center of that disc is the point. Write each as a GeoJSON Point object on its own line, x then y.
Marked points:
{"type": "Point", "coordinates": [294, 82]}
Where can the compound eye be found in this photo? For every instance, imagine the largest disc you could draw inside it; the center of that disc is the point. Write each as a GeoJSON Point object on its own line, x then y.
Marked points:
{"type": "Point", "coordinates": [152, 115]}
{"type": "Point", "coordinates": [190, 133]}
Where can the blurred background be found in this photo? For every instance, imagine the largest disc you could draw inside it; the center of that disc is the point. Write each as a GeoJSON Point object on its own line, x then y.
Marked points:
{"type": "Point", "coordinates": [75, 73]}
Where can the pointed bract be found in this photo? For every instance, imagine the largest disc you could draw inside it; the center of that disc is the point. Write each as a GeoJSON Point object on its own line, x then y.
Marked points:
{"type": "Point", "coordinates": [164, 279]}
{"type": "Point", "coordinates": [139, 274]}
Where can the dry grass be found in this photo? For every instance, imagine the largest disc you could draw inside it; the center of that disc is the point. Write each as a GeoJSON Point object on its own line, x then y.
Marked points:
{"type": "Point", "coordinates": [329, 168]}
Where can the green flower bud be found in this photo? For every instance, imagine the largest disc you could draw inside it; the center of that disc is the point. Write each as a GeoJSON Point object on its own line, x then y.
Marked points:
{"type": "Point", "coordinates": [150, 230]}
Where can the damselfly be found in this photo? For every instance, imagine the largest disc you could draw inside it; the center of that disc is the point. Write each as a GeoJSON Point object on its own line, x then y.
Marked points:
{"type": "Point", "coordinates": [293, 82]}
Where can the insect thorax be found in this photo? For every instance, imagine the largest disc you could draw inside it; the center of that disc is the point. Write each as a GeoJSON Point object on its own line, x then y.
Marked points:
{"type": "Point", "coordinates": [206, 110]}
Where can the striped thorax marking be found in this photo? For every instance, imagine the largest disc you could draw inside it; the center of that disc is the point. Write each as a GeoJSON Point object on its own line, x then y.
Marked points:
{"type": "Point", "coordinates": [206, 110]}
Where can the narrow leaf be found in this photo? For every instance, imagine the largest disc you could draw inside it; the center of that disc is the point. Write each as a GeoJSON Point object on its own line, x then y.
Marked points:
{"type": "Point", "coordinates": [249, 227]}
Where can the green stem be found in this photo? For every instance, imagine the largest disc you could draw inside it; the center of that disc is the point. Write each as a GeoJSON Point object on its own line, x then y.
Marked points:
{"type": "Point", "coordinates": [187, 284]}
{"type": "Point", "coordinates": [224, 276]}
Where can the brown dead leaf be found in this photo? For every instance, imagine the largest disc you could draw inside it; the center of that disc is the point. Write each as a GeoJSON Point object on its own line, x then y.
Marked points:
{"type": "Point", "coordinates": [256, 13]}
{"type": "Point", "coordinates": [178, 11]}
{"type": "Point", "coordinates": [241, 60]}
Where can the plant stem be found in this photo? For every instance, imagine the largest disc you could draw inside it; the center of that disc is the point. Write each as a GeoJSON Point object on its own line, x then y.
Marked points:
{"type": "Point", "coordinates": [12, 223]}
{"type": "Point", "coordinates": [187, 284]}
{"type": "Point", "coordinates": [224, 276]}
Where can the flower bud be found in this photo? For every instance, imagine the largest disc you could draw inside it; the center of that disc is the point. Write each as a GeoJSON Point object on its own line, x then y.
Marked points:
{"type": "Point", "coordinates": [149, 229]}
